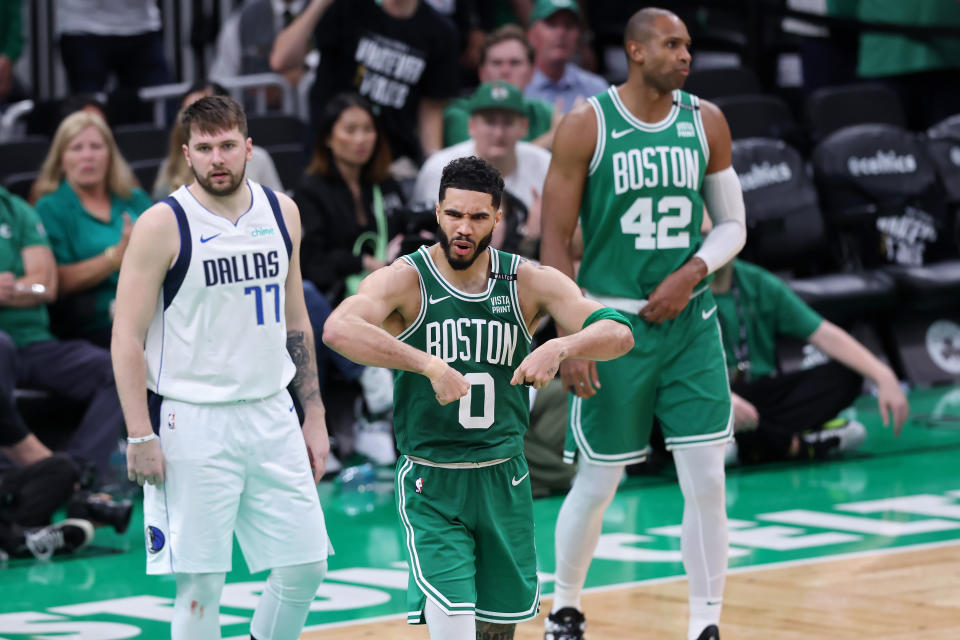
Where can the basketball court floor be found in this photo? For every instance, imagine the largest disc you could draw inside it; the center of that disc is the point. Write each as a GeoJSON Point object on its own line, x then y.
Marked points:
{"type": "Point", "coordinates": [863, 546]}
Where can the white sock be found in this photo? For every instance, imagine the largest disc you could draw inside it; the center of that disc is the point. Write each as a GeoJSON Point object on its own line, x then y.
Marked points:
{"type": "Point", "coordinates": [703, 538]}
{"type": "Point", "coordinates": [285, 601]}
{"type": "Point", "coordinates": [196, 609]}
{"type": "Point", "coordinates": [444, 627]}
{"type": "Point", "coordinates": [578, 529]}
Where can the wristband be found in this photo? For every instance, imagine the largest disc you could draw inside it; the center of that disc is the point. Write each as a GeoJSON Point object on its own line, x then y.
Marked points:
{"type": "Point", "coordinates": [143, 439]}
{"type": "Point", "coordinates": [435, 368]}
{"type": "Point", "coordinates": [111, 254]}
{"type": "Point", "coordinates": [606, 313]}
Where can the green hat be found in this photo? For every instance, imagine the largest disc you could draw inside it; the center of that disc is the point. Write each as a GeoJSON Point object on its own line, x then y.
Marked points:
{"type": "Point", "coordinates": [497, 95]}
{"type": "Point", "coordinates": [543, 9]}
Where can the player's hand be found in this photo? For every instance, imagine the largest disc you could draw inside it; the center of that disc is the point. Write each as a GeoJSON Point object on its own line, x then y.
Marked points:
{"type": "Point", "coordinates": [145, 463]}
{"type": "Point", "coordinates": [318, 445]}
{"type": "Point", "coordinates": [538, 368]}
{"type": "Point", "coordinates": [745, 415]}
{"type": "Point", "coordinates": [580, 377]}
{"type": "Point", "coordinates": [673, 294]}
{"type": "Point", "coordinates": [892, 403]}
{"type": "Point", "coordinates": [450, 387]}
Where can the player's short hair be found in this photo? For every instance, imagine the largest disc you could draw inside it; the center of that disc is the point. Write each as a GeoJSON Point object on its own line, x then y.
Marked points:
{"type": "Point", "coordinates": [213, 114]}
{"type": "Point", "coordinates": [640, 26]}
{"type": "Point", "coordinates": [504, 34]}
{"type": "Point", "coordinates": [472, 174]}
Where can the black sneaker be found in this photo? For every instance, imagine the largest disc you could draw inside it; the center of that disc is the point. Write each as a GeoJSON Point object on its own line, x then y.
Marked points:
{"type": "Point", "coordinates": [565, 624]}
{"type": "Point", "coordinates": [710, 633]}
{"type": "Point", "coordinates": [65, 536]}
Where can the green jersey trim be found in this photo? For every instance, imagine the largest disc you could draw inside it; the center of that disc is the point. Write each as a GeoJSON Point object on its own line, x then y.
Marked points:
{"type": "Point", "coordinates": [456, 293]}
{"type": "Point", "coordinates": [601, 143]}
{"type": "Point", "coordinates": [515, 298]}
{"type": "Point", "coordinates": [698, 123]}
{"type": "Point", "coordinates": [649, 127]}
{"type": "Point", "coordinates": [403, 335]}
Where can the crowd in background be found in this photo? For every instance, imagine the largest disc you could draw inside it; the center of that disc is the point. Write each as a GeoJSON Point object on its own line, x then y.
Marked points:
{"type": "Point", "coordinates": [399, 88]}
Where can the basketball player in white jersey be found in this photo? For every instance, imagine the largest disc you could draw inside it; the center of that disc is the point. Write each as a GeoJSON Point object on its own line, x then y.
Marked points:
{"type": "Point", "coordinates": [210, 318]}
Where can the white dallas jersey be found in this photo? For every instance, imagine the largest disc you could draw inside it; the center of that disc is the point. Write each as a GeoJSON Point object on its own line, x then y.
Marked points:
{"type": "Point", "coordinates": [219, 333]}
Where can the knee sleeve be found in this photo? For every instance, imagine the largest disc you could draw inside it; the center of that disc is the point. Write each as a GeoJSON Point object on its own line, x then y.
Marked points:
{"type": "Point", "coordinates": [196, 610]}
{"type": "Point", "coordinates": [285, 602]}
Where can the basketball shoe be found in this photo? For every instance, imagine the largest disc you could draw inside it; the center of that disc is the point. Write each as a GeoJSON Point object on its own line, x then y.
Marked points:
{"type": "Point", "coordinates": [710, 633]}
{"type": "Point", "coordinates": [65, 536]}
{"type": "Point", "coordinates": [565, 624]}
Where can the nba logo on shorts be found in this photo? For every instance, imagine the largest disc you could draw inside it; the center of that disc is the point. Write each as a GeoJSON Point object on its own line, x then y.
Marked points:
{"type": "Point", "coordinates": [171, 420]}
{"type": "Point", "coordinates": [419, 485]}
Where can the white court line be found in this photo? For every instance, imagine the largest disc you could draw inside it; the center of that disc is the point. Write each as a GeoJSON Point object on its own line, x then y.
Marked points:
{"type": "Point", "coordinates": [653, 581]}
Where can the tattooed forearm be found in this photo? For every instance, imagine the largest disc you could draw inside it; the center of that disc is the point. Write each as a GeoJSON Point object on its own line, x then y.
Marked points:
{"type": "Point", "coordinates": [305, 383]}
{"type": "Point", "coordinates": [491, 631]}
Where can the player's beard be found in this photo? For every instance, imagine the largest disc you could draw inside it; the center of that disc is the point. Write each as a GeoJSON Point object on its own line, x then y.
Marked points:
{"type": "Point", "coordinates": [458, 263]}
{"type": "Point", "coordinates": [232, 185]}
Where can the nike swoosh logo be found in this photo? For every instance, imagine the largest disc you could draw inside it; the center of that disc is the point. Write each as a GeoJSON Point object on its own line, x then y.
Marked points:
{"type": "Point", "coordinates": [619, 134]}
{"type": "Point", "coordinates": [291, 408]}
{"type": "Point", "coordinates": [436, 300]}
{"type": "Point", "coordinates": [209, 238]}
{"type": "Point", "coordinates": [514, 480]}
{"type": "Point", "coordinates": [707, 314]}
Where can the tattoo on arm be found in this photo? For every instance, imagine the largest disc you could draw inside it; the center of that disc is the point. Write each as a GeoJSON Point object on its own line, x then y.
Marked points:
{"type": "Point", "coordinates": [305, 382]}
{"type": "Point", "coordinates": [492, 631]}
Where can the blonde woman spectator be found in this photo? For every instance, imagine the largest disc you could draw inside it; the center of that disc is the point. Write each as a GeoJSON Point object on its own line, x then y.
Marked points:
{"type": "Point", "coordinates": [174, 172]}
{"type": "Point", "coordinates": [88, 199]}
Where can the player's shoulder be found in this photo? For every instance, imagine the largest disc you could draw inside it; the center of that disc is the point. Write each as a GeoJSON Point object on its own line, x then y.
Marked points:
{"type": "Point", "coordinates": [158, 217]}
{"type": "Point", "coordinates": [533, 275]}
{"type": "Point", "coordinates": [576, 135]}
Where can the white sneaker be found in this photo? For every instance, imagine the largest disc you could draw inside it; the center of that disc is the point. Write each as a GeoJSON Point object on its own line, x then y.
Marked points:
{"type": "Point", "coordinates": [377, 386]}
{"type": "Point", "coordinates": [375, 440]}
{"type": "Point", "coordinates": [836, 436]}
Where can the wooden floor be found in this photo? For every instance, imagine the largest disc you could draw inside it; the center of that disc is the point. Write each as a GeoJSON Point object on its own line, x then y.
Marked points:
{"type": "Point", "coordinates": [910, 595]}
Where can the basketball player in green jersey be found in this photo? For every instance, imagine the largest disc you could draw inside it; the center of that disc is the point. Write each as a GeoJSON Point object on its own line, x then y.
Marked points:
{"type": "Point", "coordinates": [638, 163]}
{"type": "Point", "coordinates": [454, 319]}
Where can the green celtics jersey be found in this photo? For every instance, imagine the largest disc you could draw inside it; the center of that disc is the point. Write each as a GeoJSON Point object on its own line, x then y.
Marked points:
{"type": "Point", "coordinates": [641, 208]}
{"type": "Point", "coordinates": [481, 335]}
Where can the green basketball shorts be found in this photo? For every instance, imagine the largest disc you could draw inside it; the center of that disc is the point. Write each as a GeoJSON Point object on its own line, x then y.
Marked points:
{"type": "Point", "coordinates": [469, 539]}
{"type": "Point", "coordinates": [676, 371]}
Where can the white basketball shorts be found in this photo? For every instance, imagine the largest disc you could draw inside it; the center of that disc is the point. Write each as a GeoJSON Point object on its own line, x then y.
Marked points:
{"type": "Point", "coordinates": [232, 468]}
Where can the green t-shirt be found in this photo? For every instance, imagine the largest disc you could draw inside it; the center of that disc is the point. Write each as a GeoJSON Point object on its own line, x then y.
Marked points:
{"type": "Point", "coordinates": [456, 115]}
{"type": "Point", "coordinates": [889, 54]}
{"type": "Point", "coordinates": [770, 308]}
{"type": "Point", "coordinates": [20, 227]}
{"type": "Point", "coordinates": [75, 235]}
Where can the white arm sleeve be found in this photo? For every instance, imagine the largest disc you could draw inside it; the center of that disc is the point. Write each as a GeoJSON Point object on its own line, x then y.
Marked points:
{"type": "Point", "coordinates": [724, 201]}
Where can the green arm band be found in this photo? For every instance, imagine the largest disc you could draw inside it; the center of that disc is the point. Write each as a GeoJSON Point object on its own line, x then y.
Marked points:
{"type": "Point", "coordinates": [606, 313]}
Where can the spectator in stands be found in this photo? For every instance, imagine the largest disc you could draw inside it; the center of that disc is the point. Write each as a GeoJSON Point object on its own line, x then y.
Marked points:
{"type": "Point", "coordinates": [399, 54]}
{"type": "Point", "coordinates": [508, 57]}
{"type": "Point", "coordinates": [554, 32]}
{"type": "Point", "coordinates": [351, 212]}
{"type": "Point", "coordinates": [174, 171]}
{"type": "Point", "coordinates": [246, 38]}
{"type": "Point", "coordinates": [497, 124]}
{"type": "Point", "coordinates": [792, 415]}
{"type": "Point", "coordinates": [103, 38]}
{"type": "Point", "coordinates": [31, 357]}
{"type": "Point", "coordinates": [11, 46]}
{"type": "Point", "coordinates": [87, 197]}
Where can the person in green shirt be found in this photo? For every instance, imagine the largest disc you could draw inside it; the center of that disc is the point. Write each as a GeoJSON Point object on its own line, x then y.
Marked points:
{"type": "Point", "coordinates": [30, 356]}
{"type": "Point", "coordinates": [88, 199]}
{"type": "Point", "coordinates": [506, 56]}
{"type": "Point", "coordinates": [11, 46]}
{"type": "Point", "coordinates": [780, 416]}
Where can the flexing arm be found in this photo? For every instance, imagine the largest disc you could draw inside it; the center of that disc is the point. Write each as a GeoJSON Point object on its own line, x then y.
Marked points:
{"type": "Point", "coordinates": [300, 345]}
{"type": "Point", "coordinates": [724, 203]}
{"type": "Point", "coordinates": [552, 292]}
{"type": "Point", "coordinates": [153, 247]}
{"type": "Point", "coordinates": [293, 43]}
{"type": "Point", "coordinates": [840, 345]}
{"type": "Point", "coordinates": [354, 330]}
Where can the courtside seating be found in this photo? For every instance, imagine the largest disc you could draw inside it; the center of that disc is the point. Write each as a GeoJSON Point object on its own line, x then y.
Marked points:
{"type": "Point", "coordinates": [141, 141]}
{"type": "Point", "coordinates": [22, 155]}
{"type": "Point", "coordinates": [881, 199]}
{"type": "Point", "coordinates": [759, 116]}
{"type": "Point", "coordinates": [832, 108]}
{"type": "Point", "coordinates": [722, 82]}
